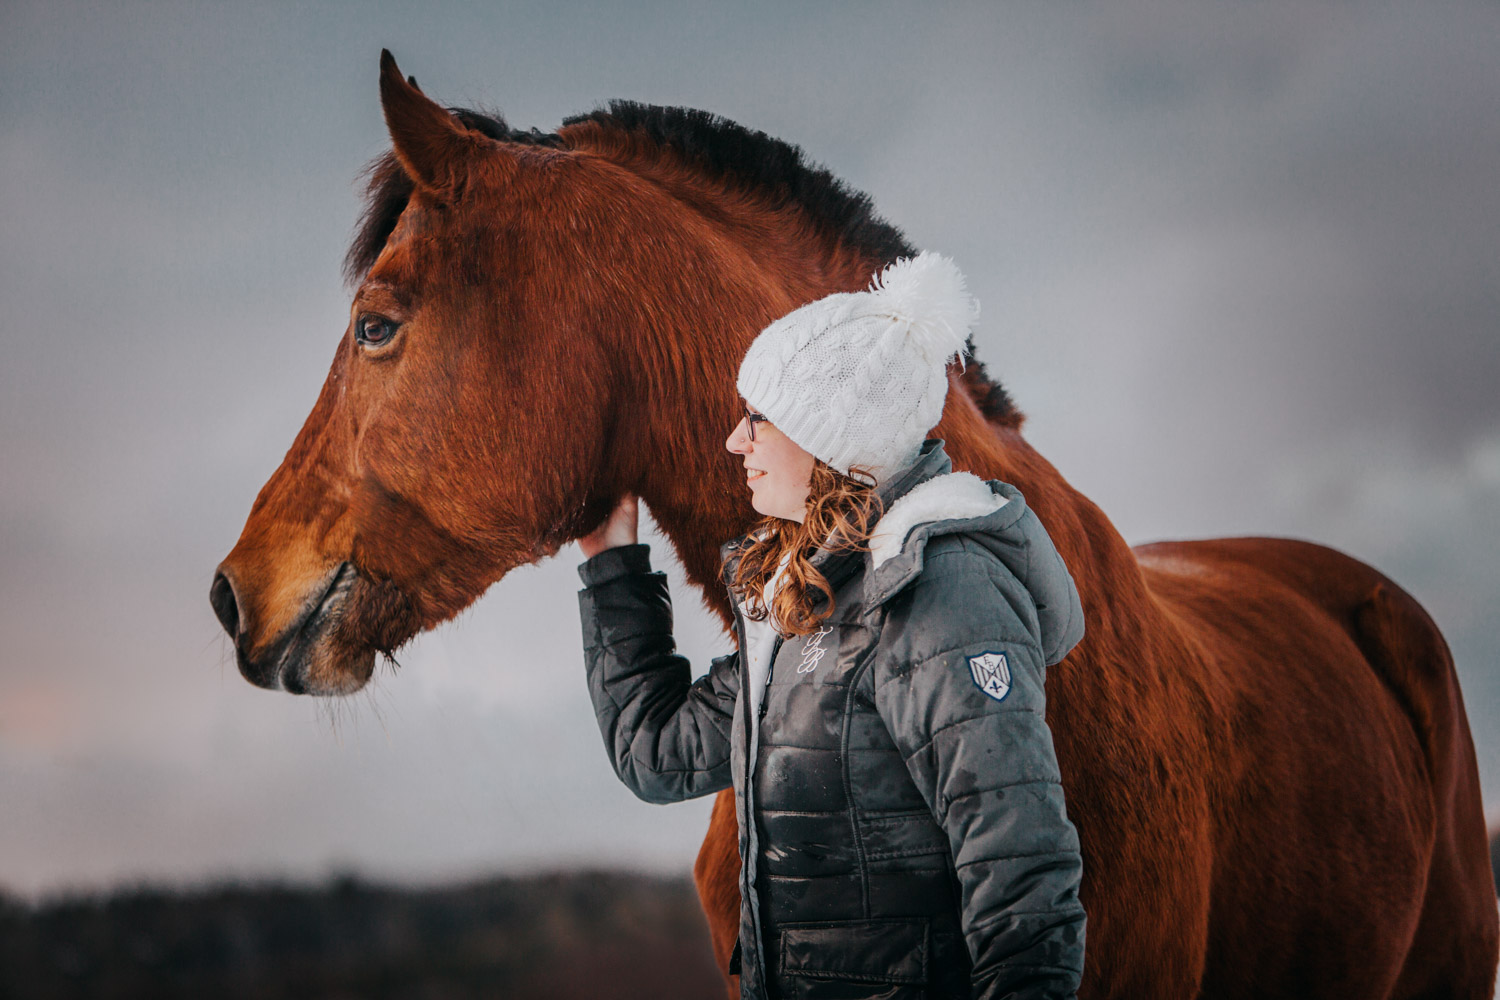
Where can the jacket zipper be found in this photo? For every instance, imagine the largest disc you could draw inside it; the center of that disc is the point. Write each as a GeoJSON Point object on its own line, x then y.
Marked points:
{"type": "Point", "coordinates": [770, 673]}
{"type": "Point", "coordinates": [752, 739]}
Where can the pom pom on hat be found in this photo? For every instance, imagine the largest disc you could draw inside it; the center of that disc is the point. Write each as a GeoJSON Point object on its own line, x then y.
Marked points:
{"type": "Point", "coordinates": [859, 378]}
{"type": "Point", "coordinates": [929, 293]}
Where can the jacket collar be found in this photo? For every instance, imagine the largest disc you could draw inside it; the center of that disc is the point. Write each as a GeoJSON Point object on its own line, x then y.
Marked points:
{"type": "Point", "coordinates": [932, 461]}
{"type": "Point", "coordinates": [959, 502]}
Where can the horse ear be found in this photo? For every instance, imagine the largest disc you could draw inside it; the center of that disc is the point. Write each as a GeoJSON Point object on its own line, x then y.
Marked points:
{"type": "Point", "coordinates": [434, 148]}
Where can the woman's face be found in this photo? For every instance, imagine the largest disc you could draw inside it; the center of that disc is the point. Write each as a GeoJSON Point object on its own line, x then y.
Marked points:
{"type": "Point", "coordinates": [776, 470]}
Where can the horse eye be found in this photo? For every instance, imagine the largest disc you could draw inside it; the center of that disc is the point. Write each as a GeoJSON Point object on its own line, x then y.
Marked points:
{"type": "Point", "coordinates": [374, 330]}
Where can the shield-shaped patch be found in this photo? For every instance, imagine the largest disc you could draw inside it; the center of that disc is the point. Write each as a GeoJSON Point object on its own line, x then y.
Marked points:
{"type": "Point", "coordinates": [991, 674]}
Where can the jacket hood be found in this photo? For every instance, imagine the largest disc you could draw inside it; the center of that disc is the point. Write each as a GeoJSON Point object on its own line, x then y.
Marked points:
{"type": "Point", "coordinates": [931, 501]}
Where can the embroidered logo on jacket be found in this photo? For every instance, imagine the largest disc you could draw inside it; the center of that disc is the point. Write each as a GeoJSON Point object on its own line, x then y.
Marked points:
{"type": "Point", "coordinates": [812, 650]}
{"type": "Point", "coordinates": [991, 674]}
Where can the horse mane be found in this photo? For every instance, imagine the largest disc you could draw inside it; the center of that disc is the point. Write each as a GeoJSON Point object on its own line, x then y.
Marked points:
{"type": "Point", "coordinates": [774, 169]}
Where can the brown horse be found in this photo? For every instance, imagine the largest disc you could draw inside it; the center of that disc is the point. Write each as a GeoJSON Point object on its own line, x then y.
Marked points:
{"type": "Point", "coordinates": [1263, 741]}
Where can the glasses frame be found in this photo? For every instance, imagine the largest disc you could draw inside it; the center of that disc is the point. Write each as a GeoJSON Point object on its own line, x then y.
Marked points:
{"type": "Point", "coordinates": [751, 419]}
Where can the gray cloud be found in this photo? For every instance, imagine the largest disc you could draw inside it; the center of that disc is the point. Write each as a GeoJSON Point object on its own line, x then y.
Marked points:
{"type": "Point", "coordinates": [1239, 265]}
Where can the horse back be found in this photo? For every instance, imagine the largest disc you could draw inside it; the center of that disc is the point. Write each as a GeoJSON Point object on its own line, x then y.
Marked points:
{"type": "Point", "coordinates": [1398, 640]}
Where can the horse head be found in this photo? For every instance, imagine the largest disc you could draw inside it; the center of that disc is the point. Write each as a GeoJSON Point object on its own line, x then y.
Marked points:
{"type": "Point", "coordinates": [541, 322]}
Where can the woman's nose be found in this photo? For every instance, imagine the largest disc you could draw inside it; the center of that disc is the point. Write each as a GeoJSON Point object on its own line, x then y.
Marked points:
{"type": "Point", "coordinates": [738, 441]}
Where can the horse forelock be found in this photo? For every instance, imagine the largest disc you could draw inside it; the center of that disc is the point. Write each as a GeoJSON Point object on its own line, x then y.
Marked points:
{"type": "Point", "coordinates": [388, 188]}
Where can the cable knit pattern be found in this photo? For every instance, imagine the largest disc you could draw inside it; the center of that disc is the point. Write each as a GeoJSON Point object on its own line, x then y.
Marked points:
{"type": "Point", "coordinates": [859, 378]}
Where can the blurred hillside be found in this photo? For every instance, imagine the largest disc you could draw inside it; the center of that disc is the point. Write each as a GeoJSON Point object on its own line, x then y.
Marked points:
{"type": "Point", "coordinates": [601, 935]}
{"type": "Point", "coordinates": [554, 937]}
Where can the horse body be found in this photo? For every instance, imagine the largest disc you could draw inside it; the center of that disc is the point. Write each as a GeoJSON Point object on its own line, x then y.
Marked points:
{"type": "Point", "coordinates": [1288, 677]}
{"type": "Point", "coordinates": [1263, 741]}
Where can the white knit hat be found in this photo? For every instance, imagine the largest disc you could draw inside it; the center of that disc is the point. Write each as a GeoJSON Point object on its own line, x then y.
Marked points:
{"type": "Point", "coordinates": [858, 378]}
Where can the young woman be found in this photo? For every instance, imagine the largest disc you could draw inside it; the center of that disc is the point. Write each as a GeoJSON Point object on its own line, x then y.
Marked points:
{"type": "Point", "coordinates": [902, 827]}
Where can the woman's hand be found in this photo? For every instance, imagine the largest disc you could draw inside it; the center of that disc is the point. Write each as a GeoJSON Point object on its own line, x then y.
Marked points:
{"type": "Point", "coordinates": [619, 528]}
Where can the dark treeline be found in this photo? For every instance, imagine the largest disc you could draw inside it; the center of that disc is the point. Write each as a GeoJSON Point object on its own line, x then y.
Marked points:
{"type": "Point", "coordinates": [558, 937]}
{"type": "Point", "coordinates": [554, 937]}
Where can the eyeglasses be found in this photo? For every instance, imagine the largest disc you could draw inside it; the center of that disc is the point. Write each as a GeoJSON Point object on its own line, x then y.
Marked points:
{"type": "Point", "coordinates": [751, 419]}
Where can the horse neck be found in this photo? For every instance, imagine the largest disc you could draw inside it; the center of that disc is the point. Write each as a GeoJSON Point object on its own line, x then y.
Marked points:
{"type": "Point", "coordinates": [682, 400]}
{"type": "Point", "coordinates": [699, 504]}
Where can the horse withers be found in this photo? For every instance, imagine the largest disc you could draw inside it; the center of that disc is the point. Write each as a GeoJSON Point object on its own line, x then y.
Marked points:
{"type": "Point", "coordinates": [1263, 741]}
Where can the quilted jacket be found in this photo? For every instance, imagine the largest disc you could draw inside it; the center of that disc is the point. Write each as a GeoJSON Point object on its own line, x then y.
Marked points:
{"type": "Point", "coordinates": [902, 826]}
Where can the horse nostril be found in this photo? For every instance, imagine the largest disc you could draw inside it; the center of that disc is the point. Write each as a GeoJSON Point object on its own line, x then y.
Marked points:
{"type": "Point", "coordinates": [226, 608]}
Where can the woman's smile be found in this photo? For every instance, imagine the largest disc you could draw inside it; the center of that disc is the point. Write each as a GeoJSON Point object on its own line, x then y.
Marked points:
{"type": "Point", "coordinates": [778, 479]}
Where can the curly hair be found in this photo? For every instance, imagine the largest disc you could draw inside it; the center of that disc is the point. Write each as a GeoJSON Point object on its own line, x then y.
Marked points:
{"type": "Point", "coordinates": [841, 511]}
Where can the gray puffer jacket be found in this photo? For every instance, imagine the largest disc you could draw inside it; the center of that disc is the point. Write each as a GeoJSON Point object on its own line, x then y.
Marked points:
{"type": "Point", "coordinates": [902, 829]}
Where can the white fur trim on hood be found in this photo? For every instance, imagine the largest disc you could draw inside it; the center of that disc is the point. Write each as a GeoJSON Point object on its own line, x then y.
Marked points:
{"type": "Point", "coordinates": [955, 496]}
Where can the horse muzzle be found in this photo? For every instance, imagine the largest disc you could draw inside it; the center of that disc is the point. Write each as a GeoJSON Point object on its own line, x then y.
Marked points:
{"type": "Point", "coordinates": [306, 657]}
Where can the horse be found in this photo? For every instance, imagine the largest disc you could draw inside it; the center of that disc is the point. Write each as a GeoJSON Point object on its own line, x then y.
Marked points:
{"type": "Point", "coordinates": [1263, 741]}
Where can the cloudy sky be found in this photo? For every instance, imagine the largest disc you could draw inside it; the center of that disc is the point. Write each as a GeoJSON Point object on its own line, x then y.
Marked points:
{"type": "Point", "coordinates": [1240, 264]}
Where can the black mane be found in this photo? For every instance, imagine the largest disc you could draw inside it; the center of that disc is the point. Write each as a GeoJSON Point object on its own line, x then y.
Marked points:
{"type": "Point", "coordinates": [717, 146]}
{"type": "Point", "coordinates": [779, 170]}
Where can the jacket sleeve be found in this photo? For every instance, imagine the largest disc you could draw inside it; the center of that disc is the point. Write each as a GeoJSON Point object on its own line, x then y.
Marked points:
{"type": "Point", "coordinates": [667, 735]}
{"type": "Point", "coordinates": [984, 761]}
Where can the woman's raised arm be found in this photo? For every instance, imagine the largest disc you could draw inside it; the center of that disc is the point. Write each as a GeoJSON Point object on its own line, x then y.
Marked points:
{"type": "Point", "coordinates": [667, 736]}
